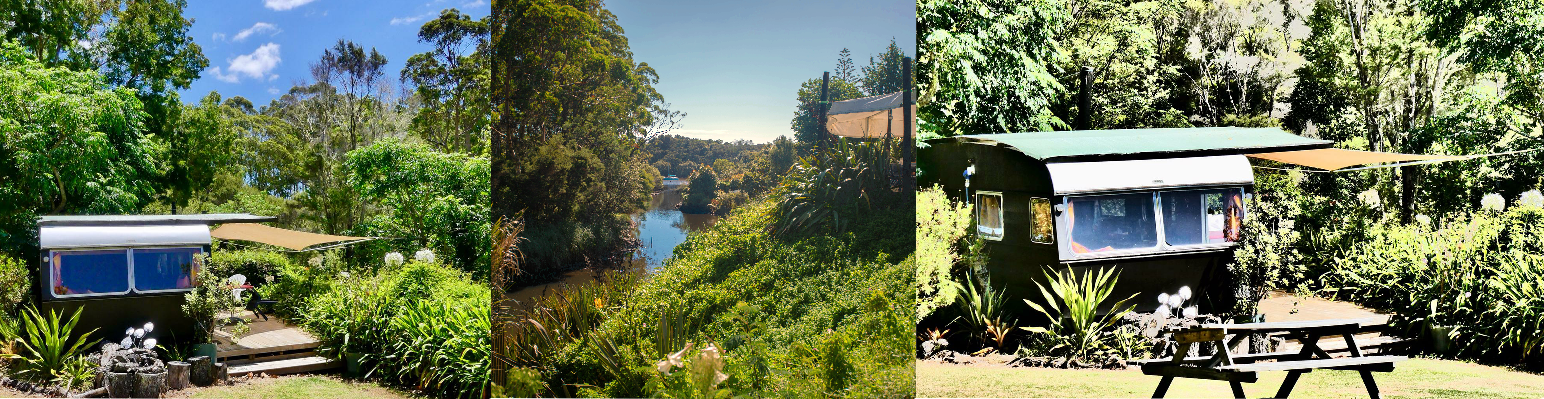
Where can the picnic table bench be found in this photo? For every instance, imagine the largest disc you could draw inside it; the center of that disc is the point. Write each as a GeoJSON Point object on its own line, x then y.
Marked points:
{"type": "Point", "coordinates": [1238, 369]}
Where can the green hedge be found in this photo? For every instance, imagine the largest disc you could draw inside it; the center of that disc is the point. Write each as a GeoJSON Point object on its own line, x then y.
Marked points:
{"type": "Point", "coordinates": [1482, 274]}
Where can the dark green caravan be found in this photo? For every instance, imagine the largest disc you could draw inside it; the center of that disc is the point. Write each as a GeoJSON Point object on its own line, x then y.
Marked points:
{"type": "Point", "coordinates": [124, 270]}
{"type": "Point", "coordinates": [1161, 206]}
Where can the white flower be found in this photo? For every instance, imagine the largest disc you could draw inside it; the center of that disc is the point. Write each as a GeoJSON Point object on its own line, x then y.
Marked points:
{"type": "Point", "coordinates": [1531, 198]}
{"type": "Point", "coordinates": [1423, 220]}
{"type": "Point", "coordinates": [343, 274]}
{"type": "Point", "coordinates": [126, 343]}
{"type": "Point", "coordinates": [1493, 202]}
{"type": "Point", "coordinates": [424, 255]}
{"type": "Point", "coordinates": [316, 261]}
{"type": "Point", "coordinates": [139, 333]}
{"type": "Point", "coordinates": [1192, 312]}
{"type": "Point", "coordinates": [674, 360]}
{"type": "Point", "coordinates": [1163, 311]}
{"type": "Point", "coordinates": [1184, 292]}
{"type": "Point", "coordinates": [149, 327]}
{"type": "Point", "coordinates": [150, 344]}
{"type": "Point", "coordinates": [394, 259]}
{"type": "Point", "coordinates": [1175, 301]}
{"type": "Point", "coordinates": [1370, 198]}
{"type": "Point", "coordinates": [130, 332]}
{"type": "Point", "coordinates": [1163, 298]}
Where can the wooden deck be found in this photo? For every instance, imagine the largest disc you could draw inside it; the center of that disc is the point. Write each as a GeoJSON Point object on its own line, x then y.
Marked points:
{"type": "Point", "coordinates": [272, 337]}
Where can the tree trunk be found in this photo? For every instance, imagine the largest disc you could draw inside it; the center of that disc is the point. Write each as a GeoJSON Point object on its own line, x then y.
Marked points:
{"type": "Point", "coordinates": [176, 375]}
{"type": "Point", "coordinates": [221, 374]}
{"type": "Point", "coordinates": [200, 372]}
{"type": "Point", "coordinates": [150, 385]}
{"type": "Point", "coordinates": [121, 385]}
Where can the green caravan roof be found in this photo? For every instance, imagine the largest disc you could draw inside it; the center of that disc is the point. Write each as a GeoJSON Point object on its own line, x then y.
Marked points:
{"type": "Point", "coordinates": [1117, 144]}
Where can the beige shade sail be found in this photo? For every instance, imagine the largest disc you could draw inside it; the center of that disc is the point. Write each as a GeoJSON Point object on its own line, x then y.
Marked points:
{"type": "Point", "coordinates": [1337, 158]}
{"type": "Point", "coordinates": [296, 240]}
{"type": "Point", "coordinates": [869, 117]}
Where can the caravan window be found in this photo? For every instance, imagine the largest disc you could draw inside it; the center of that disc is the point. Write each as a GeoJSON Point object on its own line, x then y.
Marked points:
{"type": "Point", "coordinates": [989, 215]}
{"type": "Point", "coordinates": [1111, 223]}
{"type": "Point", "coordinates": [1202, 216]}
{"type": "Point", "coordinates": [1042, 221]}
{"type": "Point", "coordinates": [85, 273]}
{"type": "Point", "coordinates": [160, 269]}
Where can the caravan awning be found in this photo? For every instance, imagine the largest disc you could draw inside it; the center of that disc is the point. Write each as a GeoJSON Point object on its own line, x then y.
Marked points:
{"type": "Point", "coordinates": [1146, 174]}
{"type": "Point", "coordinates": [1337, 158]}
{"type": "Point", "coordinates": [869, 117]}
{"type": "Point", "coordinates": [296, 240]}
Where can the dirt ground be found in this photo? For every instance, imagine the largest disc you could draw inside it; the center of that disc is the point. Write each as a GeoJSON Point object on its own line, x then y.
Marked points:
{"type": "Point", "coordinates": [301, 386]}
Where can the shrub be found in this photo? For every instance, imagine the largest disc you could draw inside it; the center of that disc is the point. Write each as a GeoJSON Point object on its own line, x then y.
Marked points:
{"type": "Point", "coordinates": [15, 285]}
{"type": "Point", "coordinates": [1077, 331]}
{"type": "Point", "coordinates": [941, 224]}
{"type": "Point", "coordinates": [258, 266]}
{"type": "Point", "coordinates": [49, 346]}
{"type": "Point", "coordinates": [728, 201]}
{"type": "Point", "coordinates": [701, 191]}
{"type": "Point", "coordinates": [827, 190]}
{"type": "Point", "coordinates": [1266, 256]}
{"type": "Point", "coordinates": [294, 286]}
{"type": "Point", "coordinates": [210, 296]}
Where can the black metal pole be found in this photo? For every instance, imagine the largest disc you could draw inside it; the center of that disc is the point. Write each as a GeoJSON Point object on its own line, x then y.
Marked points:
{"type": "Point", "coordinates": [825, 106]}
{"type": "Point", "coordinates": [1085, 106]}
{"type": "Point", "coordinates": [907, 171]}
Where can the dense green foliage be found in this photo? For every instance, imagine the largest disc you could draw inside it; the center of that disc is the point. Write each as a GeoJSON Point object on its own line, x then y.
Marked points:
{"type": "Point", "coordinates": [67, 145]}
{"type": "Point", "coordinates": [824, 315]}
{"type": "Point", "coordinates": [15, 285]}
{"type": "Point", "coordinates": [439, 200]}
{"type": "Point", "coordinates": [941, 225]}
{"type": "Point", "coordinates": [1479, 274]}
{"type": "Point", "coordinates": [422, 325]}
{"type": "Point", "coordinates": [571, 110]}
{"type": "Point", "coordinates": [987, 66]}
{"type": "Point", "coordinates": [700, 191]}
{"type": "Point", "coordinates": [836, 187]}
{"type": "Point", "coordinates": [1078, 330]}
{"type": "Point", "coordinates": [452, 83]}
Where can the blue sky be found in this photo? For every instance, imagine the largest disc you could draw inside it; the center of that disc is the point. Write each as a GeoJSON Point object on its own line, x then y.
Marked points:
{"type": "Point", "coordinates": [258, 49]}
{"type": "Point", "coordinates": [735, 67]}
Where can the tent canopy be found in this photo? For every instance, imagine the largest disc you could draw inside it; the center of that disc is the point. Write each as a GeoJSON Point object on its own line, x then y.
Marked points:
{"type": "Point", "coordinates": [1336, 158]}
{"type": "Point", "coordinates": [296, 240]}
{"type": "Point", "coordinates": [869, 117]}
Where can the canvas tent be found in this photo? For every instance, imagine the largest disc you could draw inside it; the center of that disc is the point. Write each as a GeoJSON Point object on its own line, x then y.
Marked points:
{"type": "Point", "coordinates": [295, 240]}
{"type": "Point", "coordinates": [869, 117]}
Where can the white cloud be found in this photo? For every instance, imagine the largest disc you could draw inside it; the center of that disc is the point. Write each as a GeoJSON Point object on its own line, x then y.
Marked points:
{"type": "Point", "coordinates": [281, 5]}
{"type": "Point", "coordinates": [273, 91]}
{"type": "Point", "coordinates": [472, 4]}
{"type": "Point", "coordinates": [409, 20]}
{"type": "Point", "coordinates": [219, 36]}
{"type": "Point", "coordinates": [257, 28]}
{"type": "Point", "coordinates": [256, 65]}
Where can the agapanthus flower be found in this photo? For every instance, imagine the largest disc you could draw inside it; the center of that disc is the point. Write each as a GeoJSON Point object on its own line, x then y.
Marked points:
{"type": "Point", "coordinates": [1493, 202]}
{"type": "Point", "coordinates": [1531, 198]}
{"type": "Point", "coordinates": [1192, 312]}
{"type": "Point", "coordinates": [394, 259]}
{"type": "Point", "coordinates": [424, 255]}
{"type": "Point", "coordinates": [1184, 293]}
{"type": "Point", "coordinates": [1371, 199]}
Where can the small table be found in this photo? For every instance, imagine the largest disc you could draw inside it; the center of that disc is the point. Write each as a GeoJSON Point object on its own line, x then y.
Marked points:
{"type": "Point", "coordinates": [1237, 369]}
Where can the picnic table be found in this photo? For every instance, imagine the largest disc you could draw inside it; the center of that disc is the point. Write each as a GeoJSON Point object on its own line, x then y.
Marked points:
{"type": "Point", "coordinates": [1238, 369]}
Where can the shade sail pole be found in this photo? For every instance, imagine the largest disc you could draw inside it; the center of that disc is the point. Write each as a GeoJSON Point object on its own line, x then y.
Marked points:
{"type": "Point", "coordinates": [825, 106]}
{"type": "Point", "coordinates": [908, 173]}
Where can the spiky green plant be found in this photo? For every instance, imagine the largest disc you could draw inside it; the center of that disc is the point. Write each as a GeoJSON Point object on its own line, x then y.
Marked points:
{"type": "Point", "coordinates": [981, 307]}
{"type": "Point", "coordinates": [1077, 330]}
{"type": "Point", "coordinates": [827, 189]}
{"type": "Point", "coordinates": [49, 344]}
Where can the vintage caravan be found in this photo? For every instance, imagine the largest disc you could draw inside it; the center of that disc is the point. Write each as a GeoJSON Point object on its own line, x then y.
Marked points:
{"type": "Point", "coordinates": [1163, 206]}
{"type": "Point", "coordinates": [124, 271]}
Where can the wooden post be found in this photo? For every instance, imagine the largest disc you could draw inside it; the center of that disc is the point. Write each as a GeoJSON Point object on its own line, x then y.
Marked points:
{"type": "Point", "coordinates": [120, 385]}
{"type": "Point", "coordinates": [200, 372]}
{"type": "Point", "coordinates": [221, 374]}
{"type": "Point", "coordinates": [150, 385]}
{"type": "Point", "coordinates": [1085, 103]}
{"type": "Point", "coordinates": [907, 171]}
{"type": "Point", "coordinates": [176, 375]}
{"type": "Point", "coordinates": [825, 106]}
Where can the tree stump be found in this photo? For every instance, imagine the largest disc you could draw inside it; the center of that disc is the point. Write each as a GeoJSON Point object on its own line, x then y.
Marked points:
{"type": "Point", "coordinates": [201, 371]}
{"type": "Point", "coordinates": [221, 374]}
{"type": "Point", "coordinates": [176, 375]}
{"type": "Point", "coordinates": [150, 385]}
{"type": "Point", "coordinates": [121, 385]}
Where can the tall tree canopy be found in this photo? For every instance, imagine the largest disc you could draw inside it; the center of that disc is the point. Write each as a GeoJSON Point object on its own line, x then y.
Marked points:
{"type": "Point", "coordinates": [987, 66]}
{"type": "Point", "coordinates": [451, 81]}
{"type": "Point", "coordinates": [68, 145]}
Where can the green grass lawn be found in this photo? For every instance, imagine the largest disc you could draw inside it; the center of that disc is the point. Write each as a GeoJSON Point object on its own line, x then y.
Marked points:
{"type": "Point", "coordinates": [293, 387]}
{"type": "Point", "coordinates": [1414, 378]}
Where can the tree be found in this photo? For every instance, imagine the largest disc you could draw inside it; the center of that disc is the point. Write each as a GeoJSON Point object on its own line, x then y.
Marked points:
{"type": "Point", "coordinates": [806, 121]}
{"type": "Point", "coordinates": [701, 191]}
{"type": "Point", "coordinates": [438, 199]}
{"type": "Point", "coordinates": [452, 83]}
{"type": "Point", "coordinates": [69, 146]}
{"type": "Point", "coordinates": [845, 70]}
{"type": "Point", "coordinates": [51, 29]}
{"type": "Point", "coordinates": [986, 66]}
{"type": "Point", "coordinates": [206, 149]}
{"type": "Point", "coordinates": [883, 75]}
{"type": "Point", "coordinates": [359, 79]}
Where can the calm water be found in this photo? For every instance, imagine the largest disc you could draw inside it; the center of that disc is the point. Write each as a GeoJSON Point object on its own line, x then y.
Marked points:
{"type": "Point", "coordinates": [660, 228]}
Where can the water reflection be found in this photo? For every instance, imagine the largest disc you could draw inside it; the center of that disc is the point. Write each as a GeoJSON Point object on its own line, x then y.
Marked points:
{"type": "Point", "coordinates": [661, 228]}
